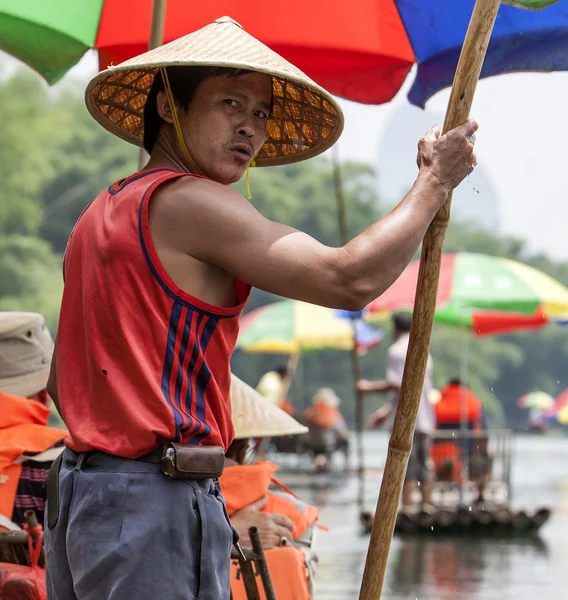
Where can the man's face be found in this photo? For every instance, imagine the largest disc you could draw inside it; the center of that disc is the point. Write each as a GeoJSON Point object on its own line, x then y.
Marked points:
{"type": "Point", "coordinates": [225, 125]}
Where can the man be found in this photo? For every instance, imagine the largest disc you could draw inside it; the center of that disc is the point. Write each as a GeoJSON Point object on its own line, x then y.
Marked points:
{"type": "Point", "coordinates": [157, 271]}
{"type": "Point", "coordinates": [328, 429]}
{"type": "Point", "coordinates": [458, 403]}
{"type": "Point", "coordinates": [274, 386]}
{"type": "Point", "coordinates": [419, 471]}
{"type": "Point", "coordinates": [26, 443]}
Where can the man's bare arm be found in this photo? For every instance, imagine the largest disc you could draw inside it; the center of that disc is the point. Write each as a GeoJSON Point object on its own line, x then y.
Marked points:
{"type": "Point", "coordinates": [380, 386]}
{"type": "Point", "coordinates": [217, 225]}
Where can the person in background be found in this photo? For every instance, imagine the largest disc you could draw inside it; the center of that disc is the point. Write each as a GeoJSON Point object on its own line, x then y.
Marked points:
{"type": "Point", "coordinates": [328, 430]}
{"type": "Point", "coordinates": [254, 498]}
{"type": "Point", "coordinates": [27, 445]}
{"type": "Point", "coordinates": [419, 471]}
{"type": "Point", "coordinates": [458, 403]}
{"type": "Point", "coordinates": [274, 386]}
{"type": "Point", "coordinates": [448, 409]}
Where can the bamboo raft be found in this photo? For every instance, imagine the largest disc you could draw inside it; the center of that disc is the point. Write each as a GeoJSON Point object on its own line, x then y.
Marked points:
{"type": "Point", "coordinates": [496, 521]}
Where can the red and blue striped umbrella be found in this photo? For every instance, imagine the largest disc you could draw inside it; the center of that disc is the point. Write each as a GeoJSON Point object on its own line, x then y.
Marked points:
{"type": "Point", "coordinates": [362, 51]}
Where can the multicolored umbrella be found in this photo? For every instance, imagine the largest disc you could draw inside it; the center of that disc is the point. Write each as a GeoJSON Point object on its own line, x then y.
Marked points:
{"type": "Point", "coordinates": [486, 294]}
{"type": "Point", "coordinates": [562, 415]}
{"type": "Point", "coordinates": [560, 407]}
{"type": "Point", "coordinates": [361, 50]}
{"type": "Point", "coordinates": [561, 400]}
{"type": "Point", "coordinates": [539, 400]}
{"type": "Point", "coordinates": [290, 326]}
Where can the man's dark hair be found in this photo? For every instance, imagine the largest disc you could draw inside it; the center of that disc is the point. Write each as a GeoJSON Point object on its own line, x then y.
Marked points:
{"type": "Point", "coordinates": [402, 322]}
{"type": "Point", "coordinates": [455, 381]}
{"type": "Point", "coordinates": [184, 82]}
{"type": "Point", "coordinates": [282, 370]}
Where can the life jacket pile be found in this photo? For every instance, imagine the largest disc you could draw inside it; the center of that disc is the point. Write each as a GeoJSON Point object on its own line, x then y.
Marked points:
{"type": "Point", "coordinates": [23, 430]}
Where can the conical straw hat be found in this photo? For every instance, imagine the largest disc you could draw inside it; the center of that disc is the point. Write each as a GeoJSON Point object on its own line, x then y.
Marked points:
{"type": "Point", "coordinates": [255, 416]}
{"type": "Point", "coordinates": [305, 121]}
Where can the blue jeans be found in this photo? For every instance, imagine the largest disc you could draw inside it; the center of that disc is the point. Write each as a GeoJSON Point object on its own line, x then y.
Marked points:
{"type": "Point", "coordinates": [127, 532]}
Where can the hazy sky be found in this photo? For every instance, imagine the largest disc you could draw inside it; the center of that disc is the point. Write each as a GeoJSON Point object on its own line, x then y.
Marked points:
{"type": "Point", "coordinates": [521, 146]}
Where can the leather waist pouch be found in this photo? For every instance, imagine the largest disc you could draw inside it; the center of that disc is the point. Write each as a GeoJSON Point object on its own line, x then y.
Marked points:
{"type": "Point", "coordinates": [181, 461]}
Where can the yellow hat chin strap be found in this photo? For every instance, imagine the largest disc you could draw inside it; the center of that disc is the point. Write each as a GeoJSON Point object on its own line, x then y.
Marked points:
{"type": "Point", "coordinates": [175, 118]}
{"type": "Point", "coordinates": [247, 178]}
{"type": "Point", "coordinates": [181, 139]}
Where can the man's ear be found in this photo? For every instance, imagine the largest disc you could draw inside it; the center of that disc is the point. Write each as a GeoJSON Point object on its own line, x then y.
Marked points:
{"type": "Point", "coordinates": [163, 107]}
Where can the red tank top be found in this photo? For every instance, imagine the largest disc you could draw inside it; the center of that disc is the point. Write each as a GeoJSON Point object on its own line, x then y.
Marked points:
{"type": "Point", "coordinates": [139, 361]}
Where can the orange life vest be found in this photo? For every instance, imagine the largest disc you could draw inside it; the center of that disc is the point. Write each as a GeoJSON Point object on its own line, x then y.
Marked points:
{"type": "Point", "coordinates": [22, 431]}
{"type": "Point", "coordinates": [287, 571]}
{"type": "Point", "coordinates": [244, 484]}
{"type": "Point", "coordinates": [324, 416]}
{"type": "Point", "coordinates": [287, 407]}
{"type": "Point", "coordinates": [448, 409]}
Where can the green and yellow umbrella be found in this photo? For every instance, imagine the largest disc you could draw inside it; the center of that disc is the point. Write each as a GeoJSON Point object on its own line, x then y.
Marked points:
{"type": "Point", "coordinates": [539, 400]}
{"type": "Point", "coordinates": [290, 326]}
{"type": "Point", "coordinates": [487, 294]}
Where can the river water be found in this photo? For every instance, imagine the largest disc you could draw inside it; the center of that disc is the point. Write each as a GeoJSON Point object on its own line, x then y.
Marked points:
{"type": "Point", "coordinates": [456, 568]}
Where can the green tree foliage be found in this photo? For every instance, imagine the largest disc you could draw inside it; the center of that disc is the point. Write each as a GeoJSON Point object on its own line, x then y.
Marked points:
{"type": "Point", "coordinates": [88, 159]}
{"type": "Point", "coordinates": [54, 159]}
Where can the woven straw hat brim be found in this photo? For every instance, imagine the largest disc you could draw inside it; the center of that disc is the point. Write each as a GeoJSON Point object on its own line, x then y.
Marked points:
{"type": "Point", "coordinates": [255, 416]}
{"type": "Point", "coordinates": [306, 120]}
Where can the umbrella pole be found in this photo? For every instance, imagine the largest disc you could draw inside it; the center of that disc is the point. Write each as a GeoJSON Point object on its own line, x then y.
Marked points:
{"type": "Point", "coordinates": [463, 90]}
{"type": "Point", "coordinates": [355, 361]}
{"type": "Point", "coordinates": [464, 438]}
{"type": "Point", "coordinates": [293, 362]}
{"type": "Point", "coordinates": [156, 40]}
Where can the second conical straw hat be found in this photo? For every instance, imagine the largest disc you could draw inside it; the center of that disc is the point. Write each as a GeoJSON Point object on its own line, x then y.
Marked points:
{"type": "Point", "coordinates": [255, 416]}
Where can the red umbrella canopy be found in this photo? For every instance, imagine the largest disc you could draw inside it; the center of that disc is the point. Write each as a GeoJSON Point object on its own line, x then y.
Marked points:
{"type": "Point", "coordinates": [308, 34]}
{"type": "Point", "coordinates": [359, 50]}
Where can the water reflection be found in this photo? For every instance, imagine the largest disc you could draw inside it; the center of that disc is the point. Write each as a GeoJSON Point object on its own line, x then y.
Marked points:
{"type": "Point", "coordinates": [454, 568]}
{"type": "Point", "coordinates": [448, 568]}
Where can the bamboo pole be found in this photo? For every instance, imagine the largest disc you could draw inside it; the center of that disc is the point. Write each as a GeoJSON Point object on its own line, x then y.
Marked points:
{"type": "Point", "coordinates": [292, 368]}
{"type": "Point", "coordinates": [262, 565]}
{"type": "Point", "coordinates": [156, 39]}
{"type": "Point", "coordinates": [461, 98]}
{"type": "Point", "coordinates": [355, 362]}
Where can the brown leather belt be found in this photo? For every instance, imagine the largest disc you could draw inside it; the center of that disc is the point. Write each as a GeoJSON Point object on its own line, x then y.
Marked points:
{"type": "Point", "coordinates": [178, 461]}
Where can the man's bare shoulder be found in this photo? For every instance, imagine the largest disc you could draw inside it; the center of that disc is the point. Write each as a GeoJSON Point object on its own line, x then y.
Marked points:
{"type": "Point", "coordinates": [191, 215]}
{"type": "Point", "coordinates": [186, 196]}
